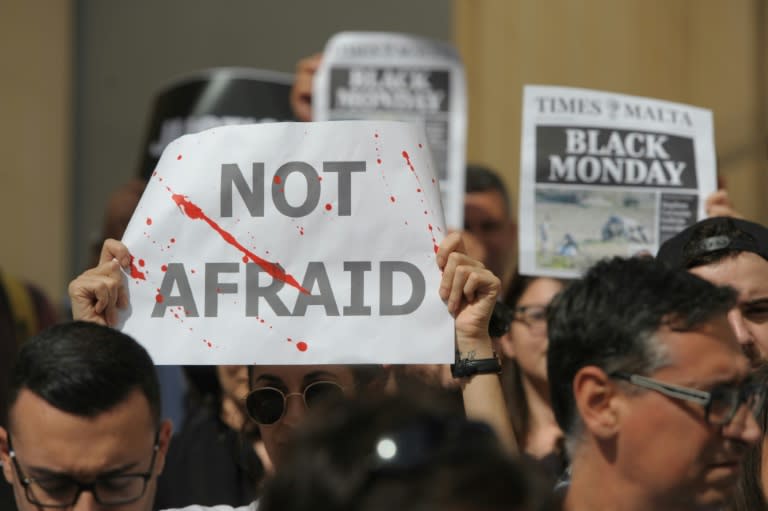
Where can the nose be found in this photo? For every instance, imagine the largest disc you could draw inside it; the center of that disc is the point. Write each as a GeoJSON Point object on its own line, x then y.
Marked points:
{"type": "Point", "coordinates": [743, 426]}
{"type": "Point", "coordinates": [739, 326]}
{"type": "Point", "coordinates": [86, 502]}
{"type": "Point", "coordinates": [295, 409]}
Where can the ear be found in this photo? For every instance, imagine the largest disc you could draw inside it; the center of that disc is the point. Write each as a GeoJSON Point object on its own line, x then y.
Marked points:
{"type": "Point", "coordinates": [5, 457]}
{"type": "Point", "coordinates": [507, 345]}
{"type": "Point", "coordinates": [595, 395]}
{"type": "Point", "coordinates": [163, 441]}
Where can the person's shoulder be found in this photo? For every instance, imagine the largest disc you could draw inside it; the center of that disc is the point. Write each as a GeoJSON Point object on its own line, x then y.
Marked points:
{"type": "Point", "coordinates": [253, 506]}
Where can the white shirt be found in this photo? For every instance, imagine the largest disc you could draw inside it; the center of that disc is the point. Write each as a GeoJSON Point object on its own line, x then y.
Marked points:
{"type": "Point", "coordinates": [251, 507]}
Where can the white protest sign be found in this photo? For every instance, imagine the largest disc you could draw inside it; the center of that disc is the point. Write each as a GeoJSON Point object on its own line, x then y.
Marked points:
{"type": "Point", "coordinates": [290, 243]}
{"type": "Point", "coordinates": [381, 75]}
{"type": "Point", "coordinates": [605, 174]}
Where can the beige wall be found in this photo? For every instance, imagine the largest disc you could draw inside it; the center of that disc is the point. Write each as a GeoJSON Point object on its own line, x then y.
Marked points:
{"type": "Point", "coordinates": [709, 53]}
{"type": "Point", "coordinates": [35, 145]}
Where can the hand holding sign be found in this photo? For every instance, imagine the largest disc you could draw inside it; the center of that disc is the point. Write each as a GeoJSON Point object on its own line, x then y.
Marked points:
{"type": "Point", "coordinates": [98, 293]}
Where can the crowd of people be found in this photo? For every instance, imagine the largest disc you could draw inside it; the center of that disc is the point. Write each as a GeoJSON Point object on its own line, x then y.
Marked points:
{"type": "Point", "coordinates": [640, 385]}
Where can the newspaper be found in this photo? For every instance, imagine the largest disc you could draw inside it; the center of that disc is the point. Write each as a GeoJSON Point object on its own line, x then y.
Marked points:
{"type": "Point", "coordinates": [387, 76]}
{"type": "Point", "coordinates": [605, 174]}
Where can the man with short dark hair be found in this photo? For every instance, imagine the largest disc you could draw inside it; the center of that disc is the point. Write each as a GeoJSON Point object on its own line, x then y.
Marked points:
{"type": "Point", "coordinates": [488, 216]}
{"type": "Point", "coordinates": [730, 252]}
{"type": "Point", "coordinates": [83, 427]}
{"type": "Point", "coordinates": [651, 388]}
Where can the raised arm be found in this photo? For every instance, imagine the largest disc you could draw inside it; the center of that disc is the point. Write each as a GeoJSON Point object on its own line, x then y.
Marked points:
{"type": "Point", "coordinates": [470, 292]}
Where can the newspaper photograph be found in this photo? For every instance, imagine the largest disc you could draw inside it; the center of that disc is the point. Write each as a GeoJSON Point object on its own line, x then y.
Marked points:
{"type": "Point", "coordinates": [388, 76]}
{"type": "Point", "coordinates": [604, 174]}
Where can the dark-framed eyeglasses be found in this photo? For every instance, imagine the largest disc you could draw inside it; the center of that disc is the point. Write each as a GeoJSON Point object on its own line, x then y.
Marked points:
{"type": "Point", "coordinates": [720, 404]}
{"type": "Point", "coordinates": [267, 405]}
{"type": "Point", "coordinates": [64, 491]}
{"type": "Point", "coordinates": [533, 316]}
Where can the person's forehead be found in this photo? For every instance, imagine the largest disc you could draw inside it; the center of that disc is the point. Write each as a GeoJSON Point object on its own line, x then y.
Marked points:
{"type": "Point", "coordinates": [487, 201]}
{"type": "Point", "coordinates": [45, 436]}
{"type": "Point", "coordinates": [708, 353]}
{"type": "Point", "coordinates": [541, 290]}
{"type": "Point", "coordinates": [298, 374]}
{"type": "Point", "coordinates": [746, 272]}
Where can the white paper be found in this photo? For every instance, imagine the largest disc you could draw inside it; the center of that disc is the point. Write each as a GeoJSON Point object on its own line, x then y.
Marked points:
{"type": "Point", "coordinates": [347, 209]}
{"type": "Point", "coordinates": [373, 75]}
{"type": "Point", "coordinates": [605, 174]}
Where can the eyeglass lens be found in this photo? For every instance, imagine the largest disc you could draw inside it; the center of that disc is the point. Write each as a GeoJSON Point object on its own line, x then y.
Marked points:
{"type": "Point", "coordinates": [267, 405]}
{"type": "Point", "coordinates": [725, 401]}
{"type": "Point", "coordinates": [63, 492]}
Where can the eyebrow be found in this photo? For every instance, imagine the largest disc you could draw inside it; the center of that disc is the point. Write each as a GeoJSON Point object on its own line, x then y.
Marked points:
{"type": "Point", "coordinates": [45, 473]}
{"type": "Point", "coordinates": [757, 301]}
{"type": "Point", "coordinates": [308, 378]}
{"type": "Point", "coordinates": [317, 375]}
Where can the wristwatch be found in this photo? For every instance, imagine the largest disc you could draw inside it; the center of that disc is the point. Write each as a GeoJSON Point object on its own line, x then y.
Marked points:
{"type": "Point", "coordinates": [465, 367]}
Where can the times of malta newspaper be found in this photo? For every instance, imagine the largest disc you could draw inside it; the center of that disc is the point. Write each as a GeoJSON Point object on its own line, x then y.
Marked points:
{"type": "Point", "coordinates": [390, 76]}
{"type": "Point", "coordinates": [604, 174]}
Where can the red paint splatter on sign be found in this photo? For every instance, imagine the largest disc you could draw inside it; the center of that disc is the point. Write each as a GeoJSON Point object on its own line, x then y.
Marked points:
{"type": "Point", "coordinates": [408, 160]}
{"type": "Point", "coordinates": [328, 207]}
{"type": "Point", "coordinates": [392, 198]}
{"type": "Point", "coordinates": [378, 160]}
{"type": "Point", "coordinates": [164, 268]}
{"type": "Point", "coordinates": [178, 157]}
{"type": "Point", "coordinates": [195, 213]}
{"type": "Point", "coordinates": [173, 240]}
{"type": "Point", "coordinates": [149, 221]}
{"type": "Point", "coordinates": [301, 346]}
{"type": "Point", "coordinates": [135, 273]}
{"type": "Point", "coordinates": [141, 262]}
{"type": "Point", "coordinates": [420, 146]}
{"type": "Point", "coordinates": [277, 180]}
{"type": "Point", "coordinates": [159, 298]}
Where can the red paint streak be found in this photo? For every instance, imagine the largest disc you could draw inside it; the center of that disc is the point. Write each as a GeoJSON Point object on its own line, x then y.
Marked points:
{"type": "Point", "coordinates": [141, 262]}
{"type": "Point", "coordinates": [434, 241]}
{"type": "Point", "coordinates": [277, 180]}
{"type": "Point", "coordinates": [408, 160]}
{"type": "Point", "coordinates": [195, 213]}
{"type": "Point", "coordinates": [159, 298]}
{"type": "Point", "coordinates": [392, 198]}
{"type": "Point", "coordinates": [149, 221]}
{"type": "Point", "coordinates": [328, 207]}
{"type": "Point", "coordinates": [301, 346]}
{"type": "Point", "coordinates": [135, 273]}
{"type": "Point", "coordinates": [178, 157]}
{"type": "Point", "coordinates": [164, 268]}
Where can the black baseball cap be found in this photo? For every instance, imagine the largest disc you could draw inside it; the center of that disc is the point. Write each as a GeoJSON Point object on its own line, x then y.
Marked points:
{"type": "Point", "coordinates": [727, 235]}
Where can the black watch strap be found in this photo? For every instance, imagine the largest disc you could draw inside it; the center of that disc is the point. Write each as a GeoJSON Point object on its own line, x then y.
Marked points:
{"type": "Point", "coordinates": [469, 367]}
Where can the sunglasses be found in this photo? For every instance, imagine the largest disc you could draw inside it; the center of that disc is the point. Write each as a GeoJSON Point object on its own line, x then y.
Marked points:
{"type": "Point", "coordinates": [267, 405]}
